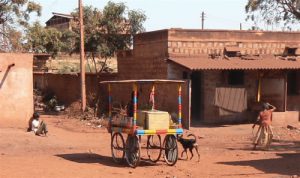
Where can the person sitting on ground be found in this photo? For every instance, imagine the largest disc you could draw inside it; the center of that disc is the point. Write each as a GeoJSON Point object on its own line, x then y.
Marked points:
{"type": "Point", "coordinates": [264, 134]}
{"type": "Point", "coordinates": [39, 128]}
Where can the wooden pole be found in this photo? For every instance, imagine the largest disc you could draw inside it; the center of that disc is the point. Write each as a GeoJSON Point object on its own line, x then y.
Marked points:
{"type": "Point", "coordinates": [109, 109]}
{"type": "Point", "coordinates": [109, 101]}
{"type": "Point", "coordinates": [285, 92]}
{"type": "Point", "coordinates": [82, 59]}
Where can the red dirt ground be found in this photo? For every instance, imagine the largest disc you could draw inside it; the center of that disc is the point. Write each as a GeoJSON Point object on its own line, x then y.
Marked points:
{"type": "Point", "coordinates": [73, 149]}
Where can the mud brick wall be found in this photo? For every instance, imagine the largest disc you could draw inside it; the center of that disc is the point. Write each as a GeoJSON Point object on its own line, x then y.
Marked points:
{"type": "Point", "coordinates": [67, 86]}
{"type": "Point", "coordinates": [147, 59]}
{"type": "Point", "coordinates": [151, 44]}
{"type": "Point", "coordinates": [16, 87]}
{"type": "Point", "coordinates": [293, 101]}
{"type": "Point", "coordinates": [213, 79]}
{"type": "Point", "coordinates": [197, 42]}
{"type": "Point", "coordinates": [142, 68]}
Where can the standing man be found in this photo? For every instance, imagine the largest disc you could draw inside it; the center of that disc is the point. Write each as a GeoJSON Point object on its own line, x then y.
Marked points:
{"type": "Point", "coordinates": [264, 134]}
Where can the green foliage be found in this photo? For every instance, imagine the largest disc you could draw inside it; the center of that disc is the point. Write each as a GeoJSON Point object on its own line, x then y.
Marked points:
{"type": "Point", "coordinates": [105, 33]}
{"type": "Point", "coordinates": [274, 11]}
{"type": "Point", "coordinates": [108, 31]}
{"type": "Point", "coordinates": [67, 68]}
{"type": "Point", "coordinates": [14, 14]}
{"type": "Point", "coordinates": [48, 40]}
{"type": "Point", "coordinates": [15, 40]}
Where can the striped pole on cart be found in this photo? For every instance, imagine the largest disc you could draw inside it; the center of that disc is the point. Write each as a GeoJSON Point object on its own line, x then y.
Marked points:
{"type": "Point", "coordinates": [109, 101]}
{"type": "Point", "coordinates": [109, 107]}
{"type": "Point", "coordinates": [135, 100]}
{"type": "Point", "coordinates": [179, 107]}
{"type": "Point", "coordinates": [159, 132]}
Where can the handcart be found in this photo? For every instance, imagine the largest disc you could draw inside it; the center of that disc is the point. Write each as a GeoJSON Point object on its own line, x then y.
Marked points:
{"type": "Point", "coordinates": [140, 124]}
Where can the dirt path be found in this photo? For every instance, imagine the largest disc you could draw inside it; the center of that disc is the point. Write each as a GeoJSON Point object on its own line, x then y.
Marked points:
{"type": "Point", "coordinates": [73, 149]}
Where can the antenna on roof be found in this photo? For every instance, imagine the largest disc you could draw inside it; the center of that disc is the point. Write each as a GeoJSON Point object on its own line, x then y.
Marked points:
{"type": "Point", "coordinates": [202, 19]}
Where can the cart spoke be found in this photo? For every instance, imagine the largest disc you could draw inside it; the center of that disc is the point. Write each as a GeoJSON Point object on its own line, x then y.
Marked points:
{"type": "Point", "coordinates": [117, 147]}
{"type": "Point", "coordinates": [132, 151]}
{"type": "Point", "coordinates": [154, 147]}
{"type": "Point", "coordinates": [171, 150]}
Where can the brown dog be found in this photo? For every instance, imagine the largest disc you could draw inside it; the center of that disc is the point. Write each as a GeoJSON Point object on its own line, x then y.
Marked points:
{"type": "Point", "coordinates": [189, 144]}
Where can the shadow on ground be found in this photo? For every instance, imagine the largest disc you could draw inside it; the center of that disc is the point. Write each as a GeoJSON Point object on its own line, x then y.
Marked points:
{"type": "Point", "coordinates": [276, 145]}
{"type": "Point", "coordinates": [287, 164]}
{"type": "Point", "coordinates": [207, 125]}
{"type": "Point", "coordinates": [202, 124]}
{"type": "Point", "coordinates": [96, 158]}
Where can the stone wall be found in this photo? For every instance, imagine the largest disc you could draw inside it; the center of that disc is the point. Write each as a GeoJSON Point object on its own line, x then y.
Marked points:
{"type": "Point", "coordinates": [16, 87]}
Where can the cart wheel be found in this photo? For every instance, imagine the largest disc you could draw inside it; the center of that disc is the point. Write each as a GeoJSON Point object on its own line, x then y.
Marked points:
{"type": "Point", "coordinates": [171, 150]}
{"type": "Point", "coordinates": [154, 147]}
{"type": "Point", "coordinates": [117, 147]}
{"type": "Point", "coordinates": [132, 151]}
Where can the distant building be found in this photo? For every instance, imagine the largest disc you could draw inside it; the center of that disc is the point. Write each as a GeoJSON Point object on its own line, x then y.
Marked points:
{"type": "Point", "coordinates": [60, 21]}
{"type": "Point", "coordinates": [39, 62]}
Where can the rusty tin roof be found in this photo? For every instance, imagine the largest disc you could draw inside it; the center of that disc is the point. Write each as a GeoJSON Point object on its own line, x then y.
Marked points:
{"type": "Point", "coordinates": [236, 63]}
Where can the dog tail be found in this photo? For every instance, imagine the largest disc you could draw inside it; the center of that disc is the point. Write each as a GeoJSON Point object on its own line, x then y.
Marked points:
{"type": "Point", "coordinates": [192, 135]}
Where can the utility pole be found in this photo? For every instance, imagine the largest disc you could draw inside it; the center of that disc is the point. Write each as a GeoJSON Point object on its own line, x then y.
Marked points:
{"type": "Point", "coordinates": [82, 59]}
{"type": "Point", "coordinates": [241, 27]}
{"type": "Point", "coordinates": [202, 19]}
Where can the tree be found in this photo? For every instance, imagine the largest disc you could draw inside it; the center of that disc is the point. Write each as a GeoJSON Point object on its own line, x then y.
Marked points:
{"type": "Point", "coordinates": [108, 31]}
{"type": "Point", "coordinates": [14, 14]}
{"type": "Point", "coordinates": [44, 40]}
{"type": "Point", "coordinates": [274, 11]}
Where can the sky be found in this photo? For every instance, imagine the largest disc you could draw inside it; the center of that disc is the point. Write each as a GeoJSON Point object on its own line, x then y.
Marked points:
{"type": "Point", "coordinates": [164, 14]}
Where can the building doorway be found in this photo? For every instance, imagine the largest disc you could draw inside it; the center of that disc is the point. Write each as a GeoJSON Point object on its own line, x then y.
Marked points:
{"type": "Point", "coordinates": [273, 91]}
{"type": "Point", "coordinates": [196, 98]}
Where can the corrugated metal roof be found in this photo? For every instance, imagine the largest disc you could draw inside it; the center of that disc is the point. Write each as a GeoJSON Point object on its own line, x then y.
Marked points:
{"type": "Point", "coordinates": [144, 81]}
{"type": "Point", "coordinates": [236, 63]}
{"type": "Point", "coordinates": [232, 49]}
{"type": "Point", "coordinates": [63, 15]}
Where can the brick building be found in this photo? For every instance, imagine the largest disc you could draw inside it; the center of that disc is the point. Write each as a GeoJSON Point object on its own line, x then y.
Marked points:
{"type": "Point", "coordinates": [60, 21]}
{"type": "Point", "coordinates": [228, 72]}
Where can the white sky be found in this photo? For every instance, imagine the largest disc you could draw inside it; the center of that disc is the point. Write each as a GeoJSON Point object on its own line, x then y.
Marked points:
{"type": "Point", "coordinates": [162, 14]}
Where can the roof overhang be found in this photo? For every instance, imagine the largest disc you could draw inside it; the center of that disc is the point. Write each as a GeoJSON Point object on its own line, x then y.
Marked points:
{"type": "Point", "coordinates": [141, 81]}
{"type": "Point", "coordinates": [68, 16]}
{"type": "Point", "coordinates": [267, 62]}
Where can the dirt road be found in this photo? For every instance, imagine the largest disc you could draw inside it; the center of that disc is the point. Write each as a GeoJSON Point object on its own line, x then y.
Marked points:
{"type": "Point", "coordinates": [73, 149]}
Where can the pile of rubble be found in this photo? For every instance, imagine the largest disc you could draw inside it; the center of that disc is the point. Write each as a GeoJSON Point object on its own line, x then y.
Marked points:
{"type": "Point", "coordinates": [90, 115]}
{"type": "Point", "coordinates": [48, 104]}
{"type": "Point", "coordinates": [38, 100]}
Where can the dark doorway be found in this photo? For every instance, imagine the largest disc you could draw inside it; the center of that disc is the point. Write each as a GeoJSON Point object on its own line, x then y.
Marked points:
{"type": "Point", "coordinates": [196, 98]}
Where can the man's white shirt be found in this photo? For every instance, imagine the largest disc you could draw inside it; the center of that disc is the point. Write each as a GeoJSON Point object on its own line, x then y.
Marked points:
{"type": "Point", "coordinates": [35, 125]}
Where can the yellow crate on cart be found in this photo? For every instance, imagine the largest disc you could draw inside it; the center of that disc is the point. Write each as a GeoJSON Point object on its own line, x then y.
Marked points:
{"type": "Point", "coordinates": [153, 119]}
